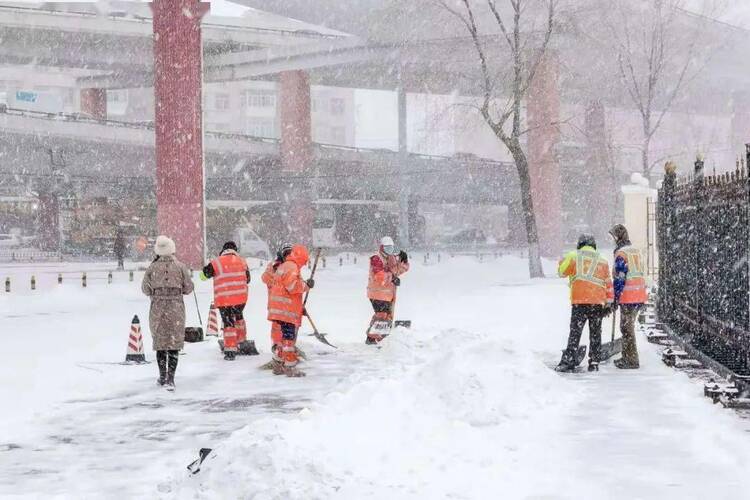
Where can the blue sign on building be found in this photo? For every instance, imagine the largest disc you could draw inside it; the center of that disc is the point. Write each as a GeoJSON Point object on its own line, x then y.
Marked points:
{"type": "Point", "coordinates": [26, 96]}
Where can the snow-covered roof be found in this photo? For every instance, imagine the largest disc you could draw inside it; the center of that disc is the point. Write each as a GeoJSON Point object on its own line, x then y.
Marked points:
{"type": "Point", "coordinates": [222, 13]}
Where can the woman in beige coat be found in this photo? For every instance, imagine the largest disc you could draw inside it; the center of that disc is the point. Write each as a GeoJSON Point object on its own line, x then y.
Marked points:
{"type": "Point", "coordinates": [165, 282]}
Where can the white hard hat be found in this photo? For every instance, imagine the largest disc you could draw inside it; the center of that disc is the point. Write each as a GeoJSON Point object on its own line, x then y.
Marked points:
{"type": "Point", "coordinates": [387, 241]}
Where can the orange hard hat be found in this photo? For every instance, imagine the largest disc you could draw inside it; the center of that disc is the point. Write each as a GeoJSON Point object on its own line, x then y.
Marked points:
{"type": "Point", "coordinates": [299, 255]}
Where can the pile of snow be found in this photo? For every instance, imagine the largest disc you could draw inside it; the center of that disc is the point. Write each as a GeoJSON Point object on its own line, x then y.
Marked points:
{"type": "Point", "coordinates": [419, 429]}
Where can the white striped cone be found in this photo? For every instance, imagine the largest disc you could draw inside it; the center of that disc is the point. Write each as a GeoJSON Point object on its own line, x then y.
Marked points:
{"type": "Point", "coordinates": [213, 322]}
{"type": "Point", "coordinates": [135, 343]}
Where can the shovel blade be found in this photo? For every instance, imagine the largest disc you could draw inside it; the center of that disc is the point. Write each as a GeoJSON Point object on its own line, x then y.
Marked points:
{"type": "Point", "coordinates": [322, 338]}
{"type": "Point", "coordinates": [610, 349]}
{"type": "Point", "coordinates": [247, 348]}
{"type": "Point", "coordinates": [405, 323]}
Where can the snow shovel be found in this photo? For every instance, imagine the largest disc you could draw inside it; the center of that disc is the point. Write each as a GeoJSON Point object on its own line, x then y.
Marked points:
{"type": "Point", "coordinates": [195, 467]}
{"type": "Point", "coordinates": [194, 333]}
{"type": "Point", "coordinates": [320, 336]}
{"type": "Point", "coordinates": [405, 323]}
{"type": "Point", "coordinates": [614, 346]}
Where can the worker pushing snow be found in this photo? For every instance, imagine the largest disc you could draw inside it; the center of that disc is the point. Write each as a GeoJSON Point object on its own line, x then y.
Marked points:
{"type": "Point", "coordinates": [591, 297]}
{"type": "Point", "coordinates": [630, 293]}
{"type": "Point", "coordinates": [231, 278]}
{"type": "Point", "coordinates": [165, 282]}
{"type": "Point", "coordinates": [267, 278]}
{"type": "Point", "coordinates": [285, 307]}
{"type": "Point", "coordinates": [386, 267]}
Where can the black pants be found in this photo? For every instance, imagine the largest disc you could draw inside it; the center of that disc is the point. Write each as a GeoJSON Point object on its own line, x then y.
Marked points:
{"type": "Point", "coordinates": [231, 314]}
{"type": "Point", "coordinates": [579, 315]}
{"type": "Point", "coordinates": [288, 330]}
{"type": "Point", "coordinates": [381, 306]}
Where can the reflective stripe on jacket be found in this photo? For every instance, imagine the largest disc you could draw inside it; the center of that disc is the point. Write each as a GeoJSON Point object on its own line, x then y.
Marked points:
{"type": "Point", "coordinates": [285, 292]}
{"type": "Point", "coordinates": [230, 280]}
{"type": "Point", "coordinates": [634, 291]}
{"type": "Point", "coordinates": [382, 271]}
{"type": "Point", "coordinates": [588, 273]}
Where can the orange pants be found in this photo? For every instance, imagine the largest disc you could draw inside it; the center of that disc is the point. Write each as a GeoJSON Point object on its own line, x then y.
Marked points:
{"type": "Point", "coordinates": [241, 331]}
{"type": "Point", "coordinates": [286, 348]}
{"type": "Point", "coordinates": [230, 338]}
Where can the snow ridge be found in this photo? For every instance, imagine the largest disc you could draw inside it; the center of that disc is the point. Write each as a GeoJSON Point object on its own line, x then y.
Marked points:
{"type": "Point", "coordinates": [418, 428]}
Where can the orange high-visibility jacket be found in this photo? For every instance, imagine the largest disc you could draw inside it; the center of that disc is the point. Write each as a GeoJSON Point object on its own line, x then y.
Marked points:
{"type": "Point", "coordinates": [635, 281]}
{"type": "Point", "coordinates": [588, 272]}
{"type": "Point", "coordinates": [230, 279]}
{"type": "Point", "coordinates": [285, 293]}
{"type": "Point", "coordinates": [383, 268]}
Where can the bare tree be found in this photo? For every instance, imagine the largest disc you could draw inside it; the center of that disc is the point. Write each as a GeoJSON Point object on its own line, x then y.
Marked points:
{"type": "Point", "coordinates": [525, 61]}
{"type": "Point", "coordinates": [655, 59]}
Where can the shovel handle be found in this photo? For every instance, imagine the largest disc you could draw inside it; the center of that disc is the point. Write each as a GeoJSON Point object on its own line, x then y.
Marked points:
{"type": "Point", "coordinates": [312, 273]}
{"type": "Point", "coordinates": [614, 317]}
{"type": "Point", "coordinates": [197, 308]}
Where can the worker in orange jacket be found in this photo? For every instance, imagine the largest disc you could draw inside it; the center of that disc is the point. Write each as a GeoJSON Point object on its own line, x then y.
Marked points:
{"type": "Point", "coordinates": [285, 307]}
{"type": "Point", "coordinates": [231, 277]}
{"type": "Point", "coordinates": [385, 270]}
{"type": "Point", "coordinates": [267, 278]}
{"type": "Point", "coordinates": [591, 296]}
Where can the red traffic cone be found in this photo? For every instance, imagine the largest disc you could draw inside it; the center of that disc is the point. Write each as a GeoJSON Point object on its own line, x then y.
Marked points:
{"type": "Point", "coordinates": [213, 322]}
{"type": "Point", "coordinates": [135, 343]}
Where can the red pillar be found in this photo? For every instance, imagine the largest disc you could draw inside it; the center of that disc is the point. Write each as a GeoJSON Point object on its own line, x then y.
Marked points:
{"type": "Point", "coordinates": [543, 112]}
{"type": "Point", "coordinates": [178, 80]}
{"type": "Point", "coordinates": [296, 154]}
{"type": "Point", "coordinates": [48, 221]}
{"type": "Point", "coordinates": [94, 103]}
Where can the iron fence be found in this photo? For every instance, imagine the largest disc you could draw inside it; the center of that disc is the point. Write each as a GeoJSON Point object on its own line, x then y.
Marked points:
{"type": "Point", "coordinates": [704, 278]}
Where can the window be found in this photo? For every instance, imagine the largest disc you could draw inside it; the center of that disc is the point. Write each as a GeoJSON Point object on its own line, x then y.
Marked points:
{"type": "Point", "coordinates": [256, 98]}
{"type": "Point", "coordinates": [260, 128]}
{"type": "Point", "coordinates": [221, 102]}
{"type": "Point", "coordinates": [338, 106]}
{"type": "Point", "coordinates": [117, 96]}
{"type": "Point", "coordinates": [338, 135]}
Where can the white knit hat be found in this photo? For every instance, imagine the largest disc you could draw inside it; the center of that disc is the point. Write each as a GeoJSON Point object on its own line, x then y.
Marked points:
{"type": "Point", "coordinates": [164, 246]}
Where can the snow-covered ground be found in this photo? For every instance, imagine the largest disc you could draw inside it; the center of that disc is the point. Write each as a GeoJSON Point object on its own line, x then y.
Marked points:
{"type": "Point", "coordinates": [463, 405]}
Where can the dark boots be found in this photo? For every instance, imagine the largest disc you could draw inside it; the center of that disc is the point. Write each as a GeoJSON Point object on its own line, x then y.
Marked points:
{"type": "Point", "coordinates": [161, 361]}
{"type": "Point", "coordinates": [568, 361]}
{"type": "Point", "coordinates": [172, 358]}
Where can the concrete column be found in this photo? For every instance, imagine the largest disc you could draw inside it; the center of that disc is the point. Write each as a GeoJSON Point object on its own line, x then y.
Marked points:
{"type": "Point", "coordinates": [94, 103]}
{"type": "Point", "coordinates": [296, 155]}
{"type": "Point", "coordinates": [543, 114]}
{"type": "Point", "coordinates": [403, 166]}
{"type": "Point", "coordinates": [740, 121]}
{"type": "Point", "coordinates": [600, 184]}
{"type": "Point", "coordinates": [178, 81]}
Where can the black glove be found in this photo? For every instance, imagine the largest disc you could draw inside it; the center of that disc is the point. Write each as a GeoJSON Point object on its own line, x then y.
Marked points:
{"type": "Point", "coordinates": [404, 258]}
{"type": "Point", "coordinates": [310, 283]}
{"type": "Point", "coordinates": [304, 311]}
{"type": "Point", "coordinates": [396, 281]}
